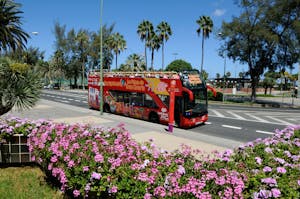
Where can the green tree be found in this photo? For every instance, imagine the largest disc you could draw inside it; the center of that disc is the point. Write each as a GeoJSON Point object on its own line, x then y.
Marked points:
{"type": "Point", "coordinates": [83, 43]}
{"type": "Point", "coordinates": [228, 74]}
{"type": "Point", "coordinates": [134, 62]}
{"type": "Point", "coordinates": [258, 37]}
{"type": "Point", "coordinates": [20, 86]}
{"type": "Point", "coordinates": [270, 80]}
{"type": "Point", "coordinates": [179, 65]}
{"type": "Point", "coordinates": [117, 43]}
{"type": "Point", "coordinates": [205, 27]}
{"type": "Point", "coordinates": [204, 75]}
{"type": "Point", "coordinates": [164, 32]}
{"type": "Point", "coordinates": [11, 34]}
{"type": "Point", "coordinates": [218, 75]}
{"type": "Point", "coordinates": [145, 32]}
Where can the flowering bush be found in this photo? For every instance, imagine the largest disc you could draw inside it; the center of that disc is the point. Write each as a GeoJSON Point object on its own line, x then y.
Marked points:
{"type": "Point", "coordinates": [108, 163]}
{"type": "Point", "coordinates": [13, 125]}
{"type": "Point", "coordinates": [271, 166]}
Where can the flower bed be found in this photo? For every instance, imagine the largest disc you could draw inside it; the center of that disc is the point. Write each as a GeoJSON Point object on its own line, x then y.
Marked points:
{"type": "Point", "coordinates": [13, 140]}
{"type": "Point", "coordinates": [91, 161]}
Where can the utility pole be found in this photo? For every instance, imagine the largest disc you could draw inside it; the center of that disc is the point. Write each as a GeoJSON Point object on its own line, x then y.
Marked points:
{"type": "Point", "coordinates": [101, 61]}
{"type": "Point", "coordinates": [299, 80]}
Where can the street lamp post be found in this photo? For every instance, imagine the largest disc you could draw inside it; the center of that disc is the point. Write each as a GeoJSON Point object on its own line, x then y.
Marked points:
{"type": "Point", "coordinates": [298, 81]}
{"type": "Point", "coordinates": [224, 76]}
{"type": "Point", "coordinates": [101, 61]}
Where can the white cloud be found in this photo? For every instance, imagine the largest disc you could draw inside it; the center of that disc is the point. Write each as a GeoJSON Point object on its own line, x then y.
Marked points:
{"type": "Point", "coordinates": [219, 12]}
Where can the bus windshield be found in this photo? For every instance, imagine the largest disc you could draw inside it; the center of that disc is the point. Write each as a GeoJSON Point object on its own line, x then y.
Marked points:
{"type": "Point", "coordinates": [198, 106]}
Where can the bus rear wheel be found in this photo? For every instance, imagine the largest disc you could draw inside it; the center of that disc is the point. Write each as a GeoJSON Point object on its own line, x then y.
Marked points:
{"type": "Point", "coordinates": [153, 117]}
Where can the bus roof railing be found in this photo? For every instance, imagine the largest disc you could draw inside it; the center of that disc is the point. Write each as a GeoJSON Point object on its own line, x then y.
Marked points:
{"type": "Point", "coordinates": [156, 74]}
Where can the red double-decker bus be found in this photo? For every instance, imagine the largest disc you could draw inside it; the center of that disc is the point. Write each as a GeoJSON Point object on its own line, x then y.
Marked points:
{"type": "Point", "coordinates": [146, 95]}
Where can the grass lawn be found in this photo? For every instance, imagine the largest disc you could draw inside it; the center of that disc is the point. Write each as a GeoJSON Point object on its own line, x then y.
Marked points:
{"type": "Point", "coordinates": [26, 182]}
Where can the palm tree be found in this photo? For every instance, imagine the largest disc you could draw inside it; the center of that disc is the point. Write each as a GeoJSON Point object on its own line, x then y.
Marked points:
{"type": "Point", "coordinates": [164, 31]}
{"type": "Point", "coordinates": [20, 86]}
{"type": "Point", "coordinates": [11, 34]}
{"type": "Point", "coordinates": [135, 62]}
{"type": "Point", "coordinates": [117, 43]}
{"type": "Point", "coordinates": [205, 26]}
{"type": "Point", "coordinates": [145, 31]}
{"type": "Point", "coordinates": [153, 44]}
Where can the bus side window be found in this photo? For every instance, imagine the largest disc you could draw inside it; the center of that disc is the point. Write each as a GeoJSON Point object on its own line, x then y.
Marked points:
{"type": "Point", "coordinates": [126, 97]}
{"type": "Point", "coordinates": [149, 103]}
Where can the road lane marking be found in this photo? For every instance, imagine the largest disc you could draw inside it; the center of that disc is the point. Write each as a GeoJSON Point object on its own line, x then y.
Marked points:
{"type": "Point", "coordinates": [279, 120]}
{"type": "Point", "coordinates": [236, 115]}
{"type": "Point", "coordinates": [217, 113]}
{"type": "Point", "coordinates": [64, 101]}
{"type": "Point", "coordinates": [232, 127]}
{"type": "Point", "coordinates": [207, 122]}
{"type": "Point", "coordinates": [264, 132]}
{"type": "Point", "coordinates": [257, 118]}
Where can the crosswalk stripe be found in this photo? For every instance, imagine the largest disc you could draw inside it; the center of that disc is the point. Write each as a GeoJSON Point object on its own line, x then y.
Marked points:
{"type": "Point", "coordinates": [279, 120]}
{"type": "Point", "coordinates": [236, 115]}
{"type": "Point", "coordinates": [217, 113]}
{"type": "Point", "coordinates": [257, 118]}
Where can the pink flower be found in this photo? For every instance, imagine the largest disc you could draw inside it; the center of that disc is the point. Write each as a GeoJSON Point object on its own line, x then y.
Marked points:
{"type": "Point", "coordinates": [99, 158]}
{"type": "Point", "coordinates": [71, 163]}
{"type": "Point", "coordinates": [281, 170]}
{"type": "Point", "coordinates": [258, 160]}
{"type": "Point", "coordinates": [96, 176]}
{"type": "Point", "coordinates": [147, 196]}
{"type": "Point", "coordinates": [53, 159]}
{"type": "Point", "coordinates": [181, 170]}
{"type": "Point", "coordinates": [267, 169]}
{"type": "Point", "coordinates": [85, 168]}
{"type": "Point", "coordinates": [114, 189]}
{"type": "Point", "coordinates": [276, 192]}
{"type": "Point", "coordinates": [76, 193]}
{"type": "Point", "coordinates": [160, 191]}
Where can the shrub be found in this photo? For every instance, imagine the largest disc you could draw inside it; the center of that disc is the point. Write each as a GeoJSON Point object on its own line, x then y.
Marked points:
{"type": "Point", "coordinates": [108, 163]}
{"type": "Point", "coordinates": [219, 96]}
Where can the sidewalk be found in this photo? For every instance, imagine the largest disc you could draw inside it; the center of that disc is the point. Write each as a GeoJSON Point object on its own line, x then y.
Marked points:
{"type": "Point", "coordinates": [139, 129]}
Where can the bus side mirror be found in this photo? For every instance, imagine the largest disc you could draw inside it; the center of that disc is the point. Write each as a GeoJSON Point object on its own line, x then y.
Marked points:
{"type": "Point", "coordinates": [212, 89]}
{"type": "Point", "coordinates": [189, 92]}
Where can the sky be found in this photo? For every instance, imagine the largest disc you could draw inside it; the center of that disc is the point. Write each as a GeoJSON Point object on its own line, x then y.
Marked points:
{"type": "Point", "coordinates": [184, 43]}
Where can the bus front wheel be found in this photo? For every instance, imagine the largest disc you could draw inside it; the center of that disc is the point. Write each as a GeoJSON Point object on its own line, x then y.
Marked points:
{"type": "Point", "coordinates": [153, 117]}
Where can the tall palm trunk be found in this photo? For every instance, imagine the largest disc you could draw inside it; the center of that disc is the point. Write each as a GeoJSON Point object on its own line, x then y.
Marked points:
{"type": "Point", "coordinates": [116, 61]}
{"type": "Point", "coordinates": [152, 58]}
{"type": "Point", "coordinates": [162, 56]}
{"type": "Point", "coordinates": [146, 55]}
{"type": "Point", "coordinates": [202, 52]}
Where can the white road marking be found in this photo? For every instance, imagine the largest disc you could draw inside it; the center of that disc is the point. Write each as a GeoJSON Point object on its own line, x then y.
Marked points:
{"type": "Point", "coordinates": [217, 113]}
{"type": "Point", "coordinates": [207, 122]}
{"type": "Point", "coordinates": [236, 115]}
{"type": "Point", "coordinates": [257, 118]}
{"type": "Point", "coordinates": [279, 120]}
{"type": "Point", "coordinates": [232, 127]}
{"type": "Point", "coordinates": [264, 132]}
{"type": "Point", "coordinates": [64, 101]}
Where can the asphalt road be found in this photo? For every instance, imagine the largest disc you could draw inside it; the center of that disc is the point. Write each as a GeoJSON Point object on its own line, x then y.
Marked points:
{"type": "Point", "coordinates": [241, 124]}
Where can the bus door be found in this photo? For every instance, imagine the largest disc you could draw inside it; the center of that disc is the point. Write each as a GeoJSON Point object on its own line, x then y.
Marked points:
{"type": "Point", "coordinates": [178, 110]}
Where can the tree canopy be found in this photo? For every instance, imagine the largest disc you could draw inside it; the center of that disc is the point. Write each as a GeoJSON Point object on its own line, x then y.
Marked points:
{"type": "Point", "coordinates": [264, 36]}
{"type": "Point", "coordinates": [179, 65]}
